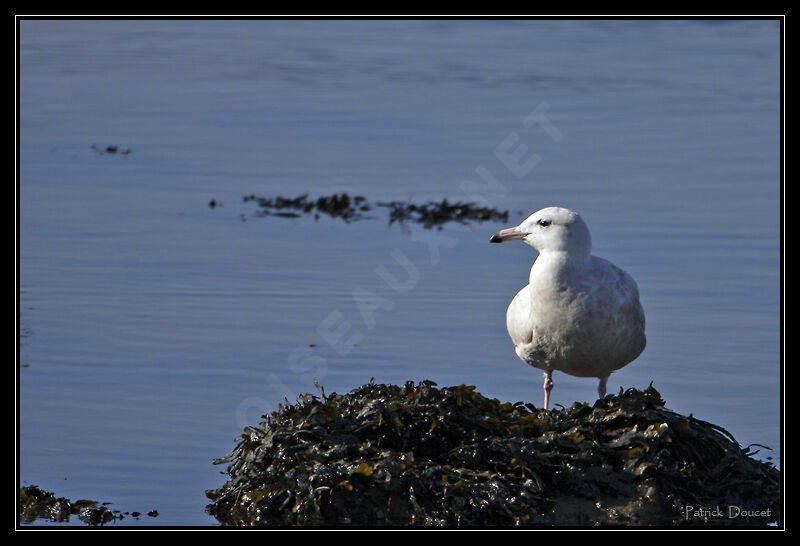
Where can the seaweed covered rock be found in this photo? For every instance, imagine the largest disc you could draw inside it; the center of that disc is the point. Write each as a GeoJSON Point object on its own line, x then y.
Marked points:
{"type": "Point", "coordinates": [420, 455]}
{"type": "Point", "coordinates": [36, 503]}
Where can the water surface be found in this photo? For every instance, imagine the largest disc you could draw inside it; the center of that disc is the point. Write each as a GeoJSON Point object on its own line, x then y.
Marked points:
{"type": "Point", "coordinates": [156, 327]}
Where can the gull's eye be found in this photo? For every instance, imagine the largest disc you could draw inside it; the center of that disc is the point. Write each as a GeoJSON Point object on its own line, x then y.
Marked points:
{"type": "Point", "coordinates": [544, 223]}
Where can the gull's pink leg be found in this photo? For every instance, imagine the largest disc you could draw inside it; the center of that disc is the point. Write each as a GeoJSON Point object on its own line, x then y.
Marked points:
{"type": "Point", "coordinates": [547, 386]}
{"type": "Point", "coordinates": [601, 388]}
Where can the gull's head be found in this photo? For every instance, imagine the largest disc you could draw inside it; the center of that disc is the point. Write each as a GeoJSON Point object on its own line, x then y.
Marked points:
{"type": "Point", "coordinates": [552, 228]}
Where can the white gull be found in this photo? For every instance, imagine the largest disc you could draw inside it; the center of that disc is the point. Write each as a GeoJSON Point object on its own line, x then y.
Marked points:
{"type": "Point", "coordinates": [579, 314]}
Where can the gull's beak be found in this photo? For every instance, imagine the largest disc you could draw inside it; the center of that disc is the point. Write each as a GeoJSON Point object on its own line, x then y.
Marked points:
{"type": "Point", "coordinates": [508, 234]}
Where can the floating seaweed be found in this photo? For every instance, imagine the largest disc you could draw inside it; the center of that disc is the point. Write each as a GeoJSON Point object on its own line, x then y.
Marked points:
{"type": "Point", "coordinates": [338, 205]}
{"type": "Point", "coordinates": [110, 149]}
{"type": "Point", "coordinates": [36, 503]}
{"type": "Point", "coordinates": [417, 455]}
{"type": "Point", "coordinates": [341, 205]}
{"type": "Point", "coordinates": [434, 214]}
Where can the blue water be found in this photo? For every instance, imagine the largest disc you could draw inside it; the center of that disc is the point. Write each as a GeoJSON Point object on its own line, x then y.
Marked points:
{"type": "Point", "coordinates": [154, 327]}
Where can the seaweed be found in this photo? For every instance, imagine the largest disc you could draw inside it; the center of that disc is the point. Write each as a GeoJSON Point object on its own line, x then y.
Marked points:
{"type": "Point", "coordinates": [110, 149]}
{"type": "Point", "coordinates": [434, 214]}
{"type": "Point", "coordinates": [418, 455]}
{"type": "Point", "coordinates": [342, 205]}
{"type": "Point", "coordinates": [37, 504]}
{"type": "Point", "coordinates": [339, 205]}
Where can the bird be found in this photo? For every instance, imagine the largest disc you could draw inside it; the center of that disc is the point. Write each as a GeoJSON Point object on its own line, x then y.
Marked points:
{"type": "Point", "coordinates": [579, 314]}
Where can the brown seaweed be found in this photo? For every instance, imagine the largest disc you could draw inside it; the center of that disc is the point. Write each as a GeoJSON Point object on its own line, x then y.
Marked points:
{"type": "Point", "coordinates": [417, 455]}
{"type": "Point", "coordinates": [338, 205]}
{"type": "Point", "coordinates": [38, 504]}
{"type": "Point", "coordinates": [434, 214]}
{"type": "Point", "coordinates": [341, 205]}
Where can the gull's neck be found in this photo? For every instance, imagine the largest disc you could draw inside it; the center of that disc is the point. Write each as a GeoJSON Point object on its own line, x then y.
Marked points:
{"type": "Point", "coordinates": [554, 267]}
